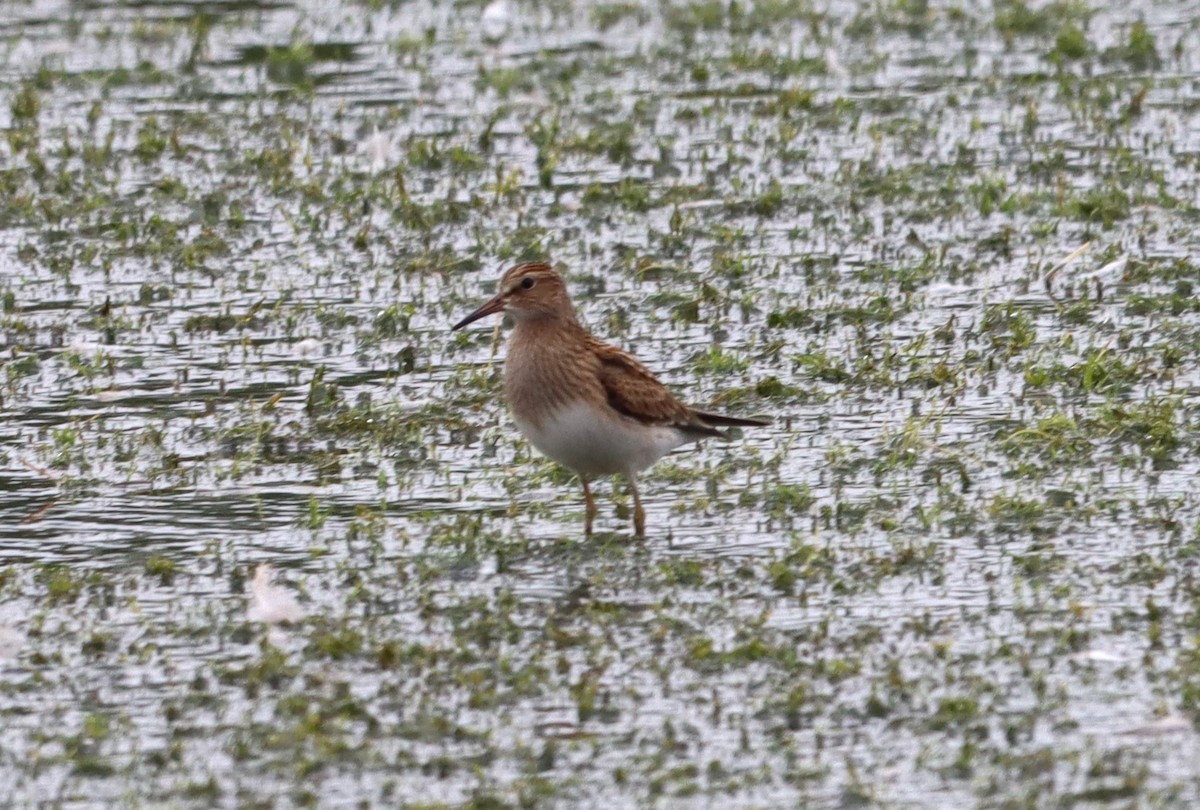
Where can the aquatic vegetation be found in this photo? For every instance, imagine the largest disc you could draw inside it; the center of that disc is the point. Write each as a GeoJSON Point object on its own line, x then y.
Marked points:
{"type": "Point", "coordinates": [949, 248]}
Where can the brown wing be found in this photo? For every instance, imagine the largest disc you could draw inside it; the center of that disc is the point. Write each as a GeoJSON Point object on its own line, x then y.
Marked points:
{"type": "Point", "coordinates": [632, 390]}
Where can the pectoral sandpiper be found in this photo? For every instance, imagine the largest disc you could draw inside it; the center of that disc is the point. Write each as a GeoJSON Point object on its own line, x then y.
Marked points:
{"type": "Point", "coordinates": [585, 404]}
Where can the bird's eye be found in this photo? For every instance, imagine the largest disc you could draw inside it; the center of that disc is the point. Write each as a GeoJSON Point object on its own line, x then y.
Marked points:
{"type": "Point", "coordinates": [526, 283]}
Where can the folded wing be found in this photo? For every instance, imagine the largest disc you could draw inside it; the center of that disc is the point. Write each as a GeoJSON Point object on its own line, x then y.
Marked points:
{"type": "Point", "coordinates": [634, 391]}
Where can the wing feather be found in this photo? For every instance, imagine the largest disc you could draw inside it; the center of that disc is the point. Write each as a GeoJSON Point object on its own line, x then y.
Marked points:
{"type": "Point", "coordinates": [634, 391]}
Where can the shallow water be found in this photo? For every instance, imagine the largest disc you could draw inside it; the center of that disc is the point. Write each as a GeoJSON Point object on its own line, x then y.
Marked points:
{"type": "Point", "coordinates": [959, 569]}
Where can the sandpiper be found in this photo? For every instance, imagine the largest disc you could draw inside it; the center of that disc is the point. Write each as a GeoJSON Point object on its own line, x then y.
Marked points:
{"type": "Point", "coordinates": [585, 404]}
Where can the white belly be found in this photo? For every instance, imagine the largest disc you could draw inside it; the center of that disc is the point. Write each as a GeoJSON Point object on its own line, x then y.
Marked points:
{"type": "Point", "coordinates": [594, 442]}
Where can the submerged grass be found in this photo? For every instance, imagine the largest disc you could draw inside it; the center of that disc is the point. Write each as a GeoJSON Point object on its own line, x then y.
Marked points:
{"type": "Point", "coordinates": [945, 248]}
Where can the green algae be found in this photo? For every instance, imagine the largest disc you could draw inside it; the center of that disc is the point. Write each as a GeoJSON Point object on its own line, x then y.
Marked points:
{"type": "Point", "coordinates": [956, 568]}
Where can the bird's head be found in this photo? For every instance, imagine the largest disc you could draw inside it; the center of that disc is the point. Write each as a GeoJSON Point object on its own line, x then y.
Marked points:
{"type": "Point", "coordinates": [526, 292]}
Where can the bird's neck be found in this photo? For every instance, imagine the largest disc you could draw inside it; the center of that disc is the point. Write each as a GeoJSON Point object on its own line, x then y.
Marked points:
{"type": "Point", "coordinates": [532, 327]}
{"type": "Point", "coordinates": [545, 367]}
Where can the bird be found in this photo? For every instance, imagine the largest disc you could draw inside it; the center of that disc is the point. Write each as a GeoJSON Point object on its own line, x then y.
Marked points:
{"type": "Point", "coordinates": [585, 404]}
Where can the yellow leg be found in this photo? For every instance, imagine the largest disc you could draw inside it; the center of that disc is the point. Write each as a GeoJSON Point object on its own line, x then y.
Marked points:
{"type": "Point", "coordinates": [639, 514]}
{"type": "Point", "coordinates": [590, 506]}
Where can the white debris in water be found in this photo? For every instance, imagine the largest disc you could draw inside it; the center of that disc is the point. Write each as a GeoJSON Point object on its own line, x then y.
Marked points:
{"type": "Point", "coordinates": [496, 20]}
{"type": "Point", "coordinates": [1110, 273]}
{"type": "Point", "coordinates": [379, 149]}
{"type": "Point", "coordinates": [1171, 724]}
{"type": "Point", "coordinates": [11, 641]}
{"type": "Point", "coordinates": [308, 347]}
{"type": "Point", "coordinates": [271, 604]}
{"type": "Point", "coordinates": [84, 348]}
{"type": "Point", "coordinates": [833, 64]}
{"type": "Point", "coordinates": [1100, 657]}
